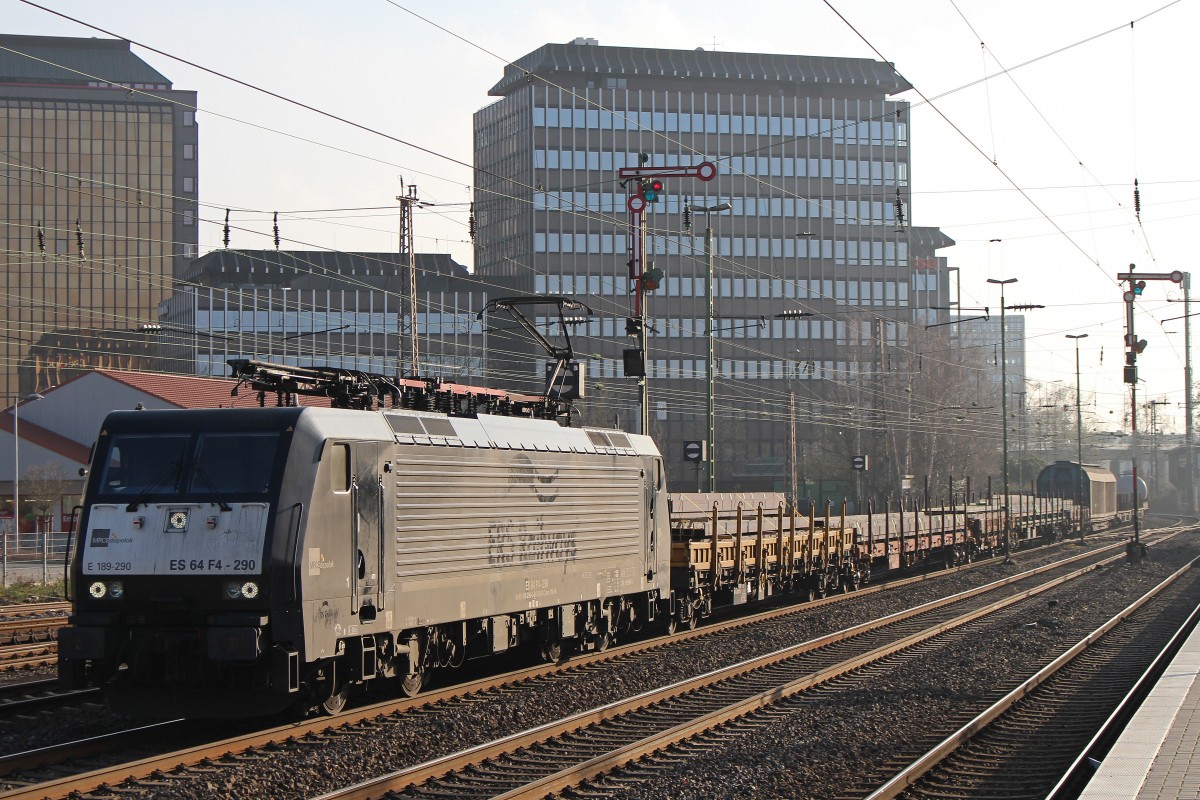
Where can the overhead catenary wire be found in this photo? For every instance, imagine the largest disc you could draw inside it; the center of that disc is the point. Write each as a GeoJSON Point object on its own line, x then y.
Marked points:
{"type": "Point", "coordinates": [734, 264]}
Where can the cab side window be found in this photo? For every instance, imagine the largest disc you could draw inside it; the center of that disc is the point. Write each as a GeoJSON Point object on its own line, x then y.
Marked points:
{"type": "Point", "coordinates": [339, 467]}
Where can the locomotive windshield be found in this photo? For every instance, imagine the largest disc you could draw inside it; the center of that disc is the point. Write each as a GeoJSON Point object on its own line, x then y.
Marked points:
{"type": "Point", "coordinates": [180, 466]}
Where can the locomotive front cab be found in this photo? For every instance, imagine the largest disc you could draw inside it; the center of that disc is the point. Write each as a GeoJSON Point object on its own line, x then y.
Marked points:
{"type": "Point", "coordinates": [170, 577]}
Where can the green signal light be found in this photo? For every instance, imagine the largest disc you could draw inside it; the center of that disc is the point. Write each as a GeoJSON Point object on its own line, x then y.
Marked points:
{"type": "Point", "coordinates": [651, 190]}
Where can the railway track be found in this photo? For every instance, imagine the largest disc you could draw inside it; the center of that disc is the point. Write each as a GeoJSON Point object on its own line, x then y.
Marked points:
{"type": "Point", "coordinates": [28, 634]}
{"type": "Point", "coordinates": [14, 657]}
{"type": "Point", "coordinates": [32, 622]}
{"type": "Point", "coordinates": [556, 758]}
{"type": "Point", "coordinates": [1025, 743]}
{"type": "Point", "coordinates": [902, 631]}
{"type": "Point", "coordinates": [50, 608]}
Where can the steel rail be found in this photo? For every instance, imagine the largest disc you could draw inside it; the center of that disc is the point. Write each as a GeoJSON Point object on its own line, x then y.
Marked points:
{"type": "Point", "coordinates": [89, 781]}
{"type": "Point", "coordinates": [1079, 773]}
{"type": "Point", "coordinates": [12, 627]}
{"type": "Point", "coordinates": [26, 609]}
{"type": "Point", "coordinates": [599, 765]}
{"type": "Point", "coordinates": [913, 772]}
{"type": "Point", "coordinates": [15, 657]}
{"type": "Point", "coordinates": [28, 702]}
{"type": "Point", "coordinates": [45, 756]}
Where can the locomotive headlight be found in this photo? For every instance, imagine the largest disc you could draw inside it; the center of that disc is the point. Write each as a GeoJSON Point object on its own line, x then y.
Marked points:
{"type": "Point", "coordinates": [239, 590]}
{"type": "Point", "coordinates": [116, 590]}
{"type": "Point", "coordinates": [98, 589]}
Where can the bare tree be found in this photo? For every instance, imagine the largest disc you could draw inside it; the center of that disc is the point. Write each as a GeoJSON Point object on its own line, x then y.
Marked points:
{"type": "Point", "coordinates": [41, 487]}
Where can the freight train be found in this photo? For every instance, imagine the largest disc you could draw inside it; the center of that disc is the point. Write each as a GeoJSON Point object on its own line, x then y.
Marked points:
{"type": "Point", "coordinates": [235, 562]}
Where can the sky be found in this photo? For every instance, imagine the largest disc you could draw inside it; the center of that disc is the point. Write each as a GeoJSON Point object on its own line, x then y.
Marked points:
{"type": "Point", "coordinates": [1031, 121]}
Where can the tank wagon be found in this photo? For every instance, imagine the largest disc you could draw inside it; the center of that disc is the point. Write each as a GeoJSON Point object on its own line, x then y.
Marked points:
{"type": "Point", "coordinates": [1125, 497]}
{"type": "Point", "coordinates": [238, 561]}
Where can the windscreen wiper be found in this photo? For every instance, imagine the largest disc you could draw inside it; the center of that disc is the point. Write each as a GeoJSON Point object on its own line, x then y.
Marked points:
{"type": "Point", "coordinates": [162, 479]}
{"type": "Point", "coordinates": [221, 504]}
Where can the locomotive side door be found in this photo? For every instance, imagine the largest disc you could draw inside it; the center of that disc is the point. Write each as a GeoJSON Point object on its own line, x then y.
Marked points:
{"type": "Point", "coordinates": [367, 530]}
{"type": "Point", "coordinates": [652, 477]}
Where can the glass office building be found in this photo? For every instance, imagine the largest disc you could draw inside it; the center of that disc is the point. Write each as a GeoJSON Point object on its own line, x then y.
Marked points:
{"type": "Point", "coordinates": [817, 275]}
{"type": "Point", "coordinates": [812, 157]}
{"type": "Point", "coordinates": [99, 202]}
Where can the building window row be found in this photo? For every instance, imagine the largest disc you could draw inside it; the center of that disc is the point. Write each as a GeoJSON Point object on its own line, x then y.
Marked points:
{"type": "Point", "coordinates": [157, 87]}
{"type": "Point", "coordinates": [728, 368]}
{"type": "Point", "coordinates": [844, 292]}
{"type": "Point", "coordinates": [841, 171]}
{"type": "Point", "coordinates": [333, 323]}
{"type": "Point", "coordinates": [841, 252]}
{"type": "Point", "coordinates": [839, 331]}
{"type": "Point", "coordinates": [841, 131]}
{"type": "Point", "coordinates": [842, 212]}
{"type": "Point", "coordinates": [723, 328]}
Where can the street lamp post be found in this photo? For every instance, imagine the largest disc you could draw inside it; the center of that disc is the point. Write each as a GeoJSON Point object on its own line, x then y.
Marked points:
{"type": "Point", "coordinates": [1004, 417]}
{"type": "Point", "coordinates": [711, 429]}
{"type": "Point", "coordinates": [1078, 434]}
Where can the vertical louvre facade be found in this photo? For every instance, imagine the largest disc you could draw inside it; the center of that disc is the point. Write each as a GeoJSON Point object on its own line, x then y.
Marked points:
{"type": "Point", "coordinates": [813, 159]}
{"type": "Point", "coordinates": [99, 200]}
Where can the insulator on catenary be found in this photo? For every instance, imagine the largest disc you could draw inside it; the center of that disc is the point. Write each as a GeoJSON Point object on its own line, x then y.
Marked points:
{"type": "Point", "coordinates": [41, 239]}
{"type": "Point", "coordinates": [276, 226]}
{"type": "Point", "coordinates": [227, 229]}
{"type": "Point", "coordinates": [471, 222]}
{"type": "Point", "coordinates": [1137, 201]}
{"type": "Point", "coordinates": [79, 239]}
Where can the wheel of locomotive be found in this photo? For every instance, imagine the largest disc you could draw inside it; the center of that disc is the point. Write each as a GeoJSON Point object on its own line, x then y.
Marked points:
{"type": "Point", "coordinates": [672, 624]}
{"type": "Point", "coordinates": [809, 590]}
{"type": "Point", "coordinates": [602, 641]}
{"type": "Point", "coordinates": [332, 696]}
{"type": "Point", "coordinates": [552, 650]}
{"type": "Point", "coordinates": [693, 618]}
{"type": "Point", "coordinates": [325, 692]}
{"type": "Point", "coordinates": [411, 685]}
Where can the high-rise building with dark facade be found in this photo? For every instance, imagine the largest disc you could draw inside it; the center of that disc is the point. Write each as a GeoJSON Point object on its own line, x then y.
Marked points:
{"type": "Point", "coordinates": [818, 278]}
{"type": "Point", "coordinates": [98, 201]}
